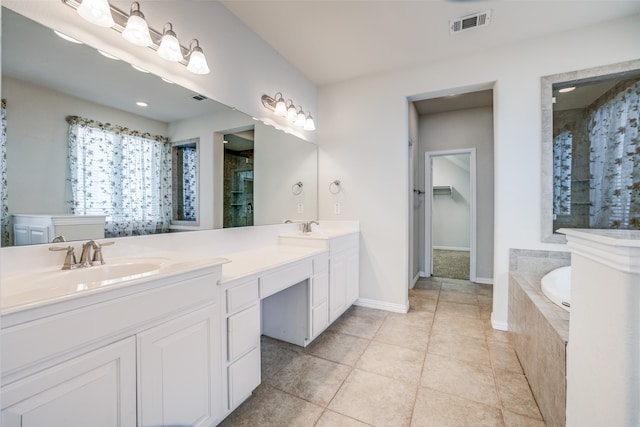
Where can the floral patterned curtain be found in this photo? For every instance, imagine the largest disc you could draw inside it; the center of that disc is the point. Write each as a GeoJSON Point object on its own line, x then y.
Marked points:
{"type": "Point", "coordinates": [189, 182]}
{"type": "Point", "coordinates": [5, 233]}
{"type": "Point", "coordinates": [562, 152]}
{"type": "Point", "coordinates": [122, 174]}
{"type": "Point", "coordinates": [615, 160]}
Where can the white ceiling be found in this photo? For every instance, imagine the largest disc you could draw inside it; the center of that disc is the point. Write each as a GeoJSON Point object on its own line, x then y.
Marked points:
{"type": "Point", "coordinates": [336, 40]}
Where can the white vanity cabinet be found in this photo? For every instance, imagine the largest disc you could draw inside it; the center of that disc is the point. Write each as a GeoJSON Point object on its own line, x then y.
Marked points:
{"type": "Point", "coordinates": [243, 339]}
{"type": "Point", "coordinates": [344, 274]}
{"type": "Point", "coordinates": [178, 371]}
{"type": "Point", "coordinates": [35, 229]}
{"type": "Point", "coordinates": [144, 355]}
{"type": "Point", "coordinates": [95, 389]}
{"type": "Point", "coordinates": [344, 271]}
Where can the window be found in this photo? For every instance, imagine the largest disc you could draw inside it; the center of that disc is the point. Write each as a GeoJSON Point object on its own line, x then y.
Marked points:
{"type": "Point", "coordinates": [184, 156]}
{"type": "Point", "coordinates": [122, 174]}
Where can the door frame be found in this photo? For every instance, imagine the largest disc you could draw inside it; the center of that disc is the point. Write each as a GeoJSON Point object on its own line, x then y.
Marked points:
{"type": "Point", "coordinates": [428, 214]}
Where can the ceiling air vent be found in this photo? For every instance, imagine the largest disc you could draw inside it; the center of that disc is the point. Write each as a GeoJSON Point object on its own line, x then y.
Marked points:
{"type": "Point", "coordinates": [480, 19]}
{"type": "Point", "coordinates": [199, 97]}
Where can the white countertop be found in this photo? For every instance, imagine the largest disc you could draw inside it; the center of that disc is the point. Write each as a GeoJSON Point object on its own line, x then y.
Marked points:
{"type": "Point", "coordinates": [249, 262]}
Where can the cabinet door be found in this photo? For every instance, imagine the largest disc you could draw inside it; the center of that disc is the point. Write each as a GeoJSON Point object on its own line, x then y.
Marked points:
{"type": "Point", "coordinates": [244, 377]}
{"type": "Point", "coordinates": [95, 389]}
{"type": "Point", "coordinates": [353, 277]}
{"type": "Point", "coordinates": [179, 371]}
{"type": "Point", "coordinates": [337, 286]}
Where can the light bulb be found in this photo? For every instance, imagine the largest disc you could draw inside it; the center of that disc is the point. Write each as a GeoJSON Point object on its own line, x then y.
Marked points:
{"type": "Point", "coordinates": [169, 48]}
{"type": "Point", "coordinates": [137, 30]}
{"type": "Point", "coordinates": [97, 12]}
{"type": "Point", "coordinates": [197, 61]}
{"type": "Point", "coordinates": [281, 107]}
{"type": "Point", "coordinates": [292, 114]}
{"type": "Point", "coordinates": [301, 119]}
{"type": "Point", "coordinates": [309, 124]}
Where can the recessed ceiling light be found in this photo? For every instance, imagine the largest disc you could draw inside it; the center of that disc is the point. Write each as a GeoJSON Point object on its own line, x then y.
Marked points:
{"type": "Point", "coordinates": [142, 70]}
{"type": "Point", "coordinates": [67, 38]}
{"type": "Point", "coordinates": [567, 89]}
{"type": "Point", "coordinates": [108, 55]}
{"type": "Point", "coordinates": [142, 104]}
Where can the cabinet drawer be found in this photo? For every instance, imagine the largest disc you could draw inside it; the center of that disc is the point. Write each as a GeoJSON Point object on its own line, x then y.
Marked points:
{"type": "Point", "coordinates": [278, 280]}
{"type": "Point", "coordinates": [244, 377]}
{"type": "Point", "coordinates": [243, 332]}
{"type": "Point", "coordinates": [242, 295]}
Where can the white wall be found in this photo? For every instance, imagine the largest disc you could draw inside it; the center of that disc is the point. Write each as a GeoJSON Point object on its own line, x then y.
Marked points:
{"type": "Point", "coordinates": [461, 129]}
{"type": "Point", "coordinates": [37, 143]}
{"type": "Point", "coordinates": [210, 157]}
{"type": "Point", "coordinates": [243, 66]}
{"type": "Point", "coordinates": [280, 161]}
{"type": "Point", "coordinates": [451, 212]}
{"type": "Point", "coordinates": [363, 142]}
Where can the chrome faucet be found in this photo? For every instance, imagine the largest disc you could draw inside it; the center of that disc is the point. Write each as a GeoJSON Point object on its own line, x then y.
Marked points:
{"type": "Point", "coordinates": [85, 258]}
{"type": "Point", "coordinates": [70, 258]}
{"type": "Point", "coordinates": [306, 226]}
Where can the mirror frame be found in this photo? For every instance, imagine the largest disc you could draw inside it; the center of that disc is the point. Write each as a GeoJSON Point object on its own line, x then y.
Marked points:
{"type": "Point", "coordinates": [546, 103]}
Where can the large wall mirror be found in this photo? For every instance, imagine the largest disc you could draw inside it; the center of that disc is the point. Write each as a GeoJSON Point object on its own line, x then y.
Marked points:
{"type": "Point", "coordinates": [591, 149]}
{"type": "Point", "coordinates": [46, 79]}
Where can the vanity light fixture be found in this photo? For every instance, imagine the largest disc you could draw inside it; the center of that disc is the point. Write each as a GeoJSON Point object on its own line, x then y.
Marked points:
{"type": "Point", "coordinates": [137, 30]}
{"type": "Point", "coordinates": [169, 48]}
{"type": "Point", "coordinates": [134, 28]}
{"type": "Point", "coordinates": [294, 115]}
{"type": "Point", "coordinates": [98, 12]}
{"type": "Point", "coordinates": [197, 61]}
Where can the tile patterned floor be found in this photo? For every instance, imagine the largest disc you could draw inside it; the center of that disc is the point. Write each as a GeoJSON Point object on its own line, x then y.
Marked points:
{"type": "Point", "coordinates": [439, 365]}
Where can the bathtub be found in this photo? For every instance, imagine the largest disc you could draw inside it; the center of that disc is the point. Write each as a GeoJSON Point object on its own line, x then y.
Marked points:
{"type": "Point", "coordinates": [556, 285]}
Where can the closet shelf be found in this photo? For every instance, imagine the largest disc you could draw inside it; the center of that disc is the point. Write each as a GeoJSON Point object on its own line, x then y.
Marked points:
{"type": "Point", "coordinates": [442, 190]}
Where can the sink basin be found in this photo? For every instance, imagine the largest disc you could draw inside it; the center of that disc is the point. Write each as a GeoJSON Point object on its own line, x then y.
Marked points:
{"type": "Point", "coordinates": [52, 283]}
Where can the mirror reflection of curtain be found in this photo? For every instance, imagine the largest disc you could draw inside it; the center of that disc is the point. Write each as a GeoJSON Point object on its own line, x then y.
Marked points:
{"type": "Point", "coordinates": [615, 161]}
{"type": "Point", "coordinates": [189, 182]}
{"type": "Point", "coordinates": [5, 238]}
{"type": "Point", "coordinates": [562, 154]}
{"type": "Point", "coordinates": [122, 174]}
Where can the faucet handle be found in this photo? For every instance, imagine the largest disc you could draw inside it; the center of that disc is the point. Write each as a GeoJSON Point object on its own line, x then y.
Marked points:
{"type": "Point", "coordinates": [97, 252]}
{"type": "Point", "coordinates": [70, 258]}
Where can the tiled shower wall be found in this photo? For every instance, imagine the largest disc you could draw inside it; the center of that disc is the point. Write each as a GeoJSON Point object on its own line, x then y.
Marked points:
{"type": "Point", "coordinates": [539, 330]}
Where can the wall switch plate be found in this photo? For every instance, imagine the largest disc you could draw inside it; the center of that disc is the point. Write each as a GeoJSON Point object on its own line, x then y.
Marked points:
{"type": "Point", "coordinates": [336, 209]}
{"type": "Point", "coordinates": [300, 208]}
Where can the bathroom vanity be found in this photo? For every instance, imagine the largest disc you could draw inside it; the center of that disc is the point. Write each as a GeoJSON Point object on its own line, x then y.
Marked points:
{"type": "Point", "coordinates": [176, 342]}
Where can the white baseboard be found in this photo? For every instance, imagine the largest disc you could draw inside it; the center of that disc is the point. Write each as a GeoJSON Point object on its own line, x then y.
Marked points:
{"type": "Point", "coordinates": [415, 280]}
{"type": "Point", "coordinates": [452, 248]}
{"type": "Point", "coordinates": [484, 280]}
{"type": "Point", "coordinates": [501, 326]}
{"type": "Point", "coordinates": [381, 305]}
{"type": "Point", "coordinates": [423, 274]}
